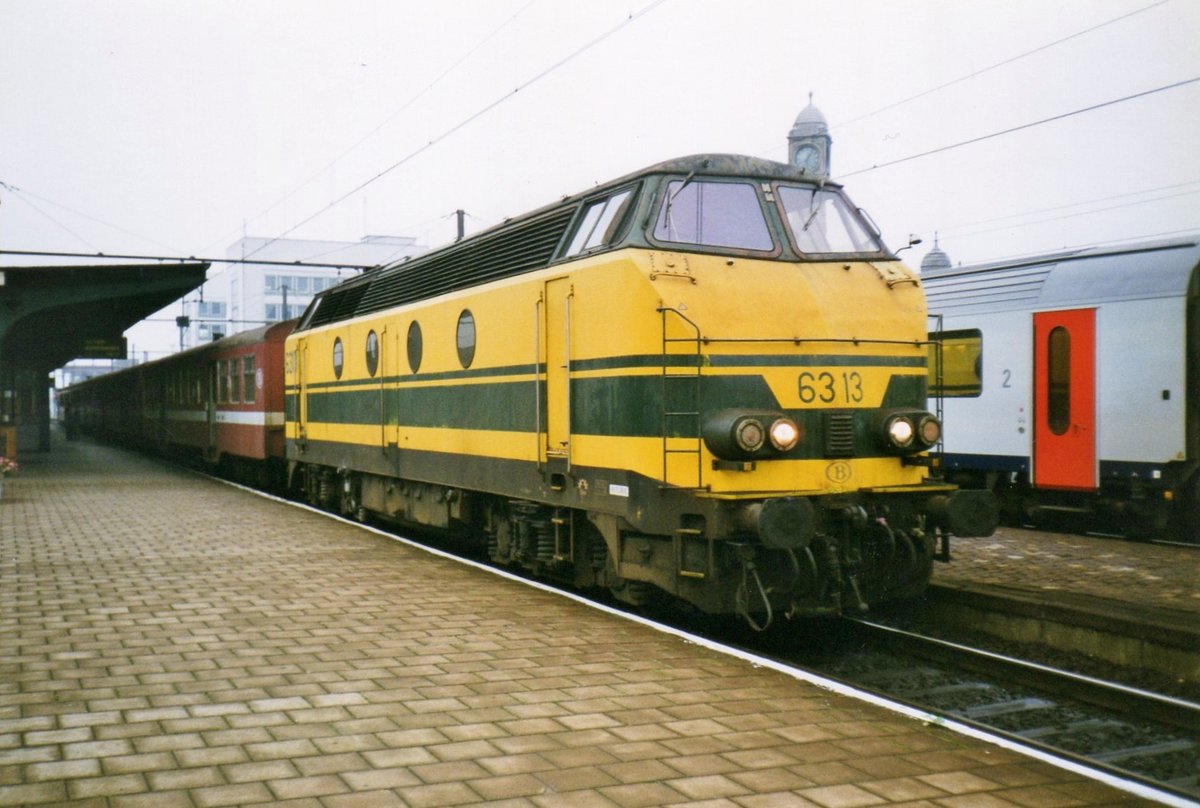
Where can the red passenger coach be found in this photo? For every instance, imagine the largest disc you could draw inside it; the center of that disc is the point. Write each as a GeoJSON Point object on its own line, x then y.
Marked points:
{"type": "Point", "coordinates": [241, 422]}
{"type": "Point", "coordinates": [219, 404]}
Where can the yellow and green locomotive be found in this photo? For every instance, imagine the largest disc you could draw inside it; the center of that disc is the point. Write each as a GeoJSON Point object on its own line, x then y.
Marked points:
{"type": "Point", "coordinates": [705, 379]}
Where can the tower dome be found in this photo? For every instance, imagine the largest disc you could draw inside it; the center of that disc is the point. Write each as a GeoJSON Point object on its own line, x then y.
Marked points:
{"type": "Point", "coordinates": [809, 122]}
{"type": "Point", "coordinates": [936, 259]}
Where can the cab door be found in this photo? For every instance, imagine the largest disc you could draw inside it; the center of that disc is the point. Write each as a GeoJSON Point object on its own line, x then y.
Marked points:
{"type": "Point", "coordinates": [301, 390]}
{"type": "Point", "coordinates": [389, 378]}
{"type": "Point", "coordinates": [557, 353]}
{"type": "Point", "coordinates": [1064, 399]}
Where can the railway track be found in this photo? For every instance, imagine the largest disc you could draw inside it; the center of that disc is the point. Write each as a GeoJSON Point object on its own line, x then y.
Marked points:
{"type": "Point", "coordinates": [1122, 731]}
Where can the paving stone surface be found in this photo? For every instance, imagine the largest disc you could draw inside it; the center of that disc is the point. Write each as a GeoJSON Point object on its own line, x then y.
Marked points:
{"type": "Point", "coordinates": [166, 640]}
{"type": "Point", "coordinates": [1148, 577]}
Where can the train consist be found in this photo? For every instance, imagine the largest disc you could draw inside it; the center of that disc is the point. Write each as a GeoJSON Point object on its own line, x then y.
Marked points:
{"type": "Point", "coordinates": [1072, 385]}
{"type": "Point", "coordinates": [704, 380]}
{"type": "Point", "coordinates": [219, 404]}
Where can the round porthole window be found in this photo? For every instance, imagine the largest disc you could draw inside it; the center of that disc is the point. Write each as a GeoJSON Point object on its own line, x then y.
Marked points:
{"type": "Point", "coordinates": [372, 352]}
{"type": "Point", "coordinates": [415, 346]}
{"type": "Point", "coordinates": [466, 338]}
{"type": "Point", "coordinates": [338, 357]}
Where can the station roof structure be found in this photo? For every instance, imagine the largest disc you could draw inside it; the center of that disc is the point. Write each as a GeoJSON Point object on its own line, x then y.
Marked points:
{"type": "Point", "coordinates": [50, 315]}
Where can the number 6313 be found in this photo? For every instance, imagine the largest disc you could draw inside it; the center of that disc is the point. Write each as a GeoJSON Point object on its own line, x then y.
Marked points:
{"type": "Point", "coordinates": [828, 387]}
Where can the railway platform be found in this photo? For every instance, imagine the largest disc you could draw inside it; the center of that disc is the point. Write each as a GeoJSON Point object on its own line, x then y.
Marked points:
{"type": "Point", "coordinates": [1160, 581]}
{"type": "Point", "coordinates": [1131, 604]}
{"type": "Point", "coordinates": [167, 640]}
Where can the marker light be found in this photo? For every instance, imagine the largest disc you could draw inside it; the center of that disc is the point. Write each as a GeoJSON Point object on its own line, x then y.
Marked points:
{"type": "Point", "coordinates": [749, 435]}
{"type": "Point", "coordinates": [930, 430]}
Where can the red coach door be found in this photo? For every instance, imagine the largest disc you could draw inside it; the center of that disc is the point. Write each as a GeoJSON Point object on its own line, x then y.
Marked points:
{"type": "Point", "coordinates": [1064, 399]}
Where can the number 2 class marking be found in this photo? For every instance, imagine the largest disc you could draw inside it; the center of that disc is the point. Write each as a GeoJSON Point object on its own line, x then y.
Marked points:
{"type": "Point", "coordinates": [828, 388]}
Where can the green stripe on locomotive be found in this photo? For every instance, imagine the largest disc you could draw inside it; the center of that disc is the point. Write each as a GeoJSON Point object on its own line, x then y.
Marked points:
{"type": "Point", "coordinates": [610, 406]}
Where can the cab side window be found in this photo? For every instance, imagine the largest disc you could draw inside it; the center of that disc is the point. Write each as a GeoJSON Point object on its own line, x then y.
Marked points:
{"type": "Point", "coordinates": [600, 221]}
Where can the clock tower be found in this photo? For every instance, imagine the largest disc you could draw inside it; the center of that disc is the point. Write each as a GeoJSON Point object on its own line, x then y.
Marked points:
{"type": "Point", "coordinates": [809, 142]}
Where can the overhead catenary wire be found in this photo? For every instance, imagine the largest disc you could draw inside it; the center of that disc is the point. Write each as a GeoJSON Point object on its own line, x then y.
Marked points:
{"type": "Point", "coordinates": [633, 17]}
{"type": "Point", "coordinates": [1009, 217]}
{"type": "Point", "coordinates": [1010, 130]}
{"type": "Point", "coordinates": [23, 194]}
{"type": "Point", "coordinates": [21, 198]}
{"type": "Point", "coordinates": [1188, 232]}
{"type": "Point", "coordinates": [1064, 216]}
{"type": "Point", "coordinates": [1001, 63]}
{"type": "Point", "coordinates": [411, 100]}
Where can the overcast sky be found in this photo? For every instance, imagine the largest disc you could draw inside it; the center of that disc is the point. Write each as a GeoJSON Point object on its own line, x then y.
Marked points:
{"type": "Point", "coordinates": [175, 127]}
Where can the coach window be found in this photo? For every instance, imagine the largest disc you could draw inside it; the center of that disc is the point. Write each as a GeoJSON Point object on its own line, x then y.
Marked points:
{"type": "Point", "coordinates": [416, 346]}
{"type": "Point", "coordinates": [338, 358]}
{"type": "Point", "coordinates": [600, 222]}
{"type": "Point", "coordinates": [235, 381]}
{"type": "Point", "coordinates": [223, 381]}
{"type": "Point", "coordinates": [248, 379]}
{"type": "Point", "coordinates": [956, 364]}
{"type": "Point", "coordinates": [1058, 369]}
{"type": "Point", "coordinates": [372, 352]}
{"type": "Point", "coordinates": [717, 214]}
{"type": "Point", "coordinates": [466, 338]}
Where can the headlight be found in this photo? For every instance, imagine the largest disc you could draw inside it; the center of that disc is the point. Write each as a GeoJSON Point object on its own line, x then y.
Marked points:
{"type": "Point", "coordinates": [906, 431]}
{"type": "Point", "coordinates": [750, 435]}
{"type": "Point", "coordinates": [785, 434]}
{"type": "Point", "coordinates": [742, 435]}
{"type": "Point", "coordinates": [900, 431]}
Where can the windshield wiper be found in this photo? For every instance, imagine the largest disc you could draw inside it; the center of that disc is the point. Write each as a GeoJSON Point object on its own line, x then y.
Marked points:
{"type": "Point", "coordinates": [670, 223]}
{"type": "Point", "coordinates": [814, 213]}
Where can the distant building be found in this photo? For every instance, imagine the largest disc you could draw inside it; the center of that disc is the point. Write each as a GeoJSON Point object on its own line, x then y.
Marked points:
{"type": "Point", "coordinates": [244, 296]}
{"type": "Point", "coordinates": [809, 143]}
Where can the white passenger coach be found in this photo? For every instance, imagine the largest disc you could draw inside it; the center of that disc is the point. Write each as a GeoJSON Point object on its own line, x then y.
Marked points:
{"type": "Point", "coordinates": [1071, 384]}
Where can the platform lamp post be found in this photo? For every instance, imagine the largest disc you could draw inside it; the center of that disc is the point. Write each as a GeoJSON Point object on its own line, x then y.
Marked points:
{"type": "Point", "coordinates": [284, 289]}
{"type": "Point", "coordinates": [183, 321]}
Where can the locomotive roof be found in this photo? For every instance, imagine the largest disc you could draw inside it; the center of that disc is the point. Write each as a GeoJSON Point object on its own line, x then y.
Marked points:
{"type": "Point", "coordinates": [698, 165]}
{"type": "Point", "coordinates": [738, 165]}
{"type": "Point", "coordinates": [521, 244]}
{"type": "Point", "coordinates": [1152, 269]}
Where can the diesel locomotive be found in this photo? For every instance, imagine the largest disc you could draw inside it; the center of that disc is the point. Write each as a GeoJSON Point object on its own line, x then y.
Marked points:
{"type": "Point", "coordinates": [705, 380]}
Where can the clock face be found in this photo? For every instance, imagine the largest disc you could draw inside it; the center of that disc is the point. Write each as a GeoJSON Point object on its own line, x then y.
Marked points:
{"type": "Point", "coordinates": [808, 157]}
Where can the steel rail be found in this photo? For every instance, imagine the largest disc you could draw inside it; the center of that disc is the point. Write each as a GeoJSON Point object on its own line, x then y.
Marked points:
{"type": "Point", "coordinates": [1169, 710]}
{"type": "Point", "coordinates": [1139, 705]}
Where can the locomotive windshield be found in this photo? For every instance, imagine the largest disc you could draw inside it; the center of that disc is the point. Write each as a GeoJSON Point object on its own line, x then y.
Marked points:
{"type": "Point", "coordinates": [715, 214]}
{"type": "Point", "coordinates": [821, 221]}
{"type": "Point", "coordinates": [734, 215]}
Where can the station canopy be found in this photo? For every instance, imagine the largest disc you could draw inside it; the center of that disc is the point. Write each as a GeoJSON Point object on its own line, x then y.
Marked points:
{"type": "Point", "coordinates": [50, 315]}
